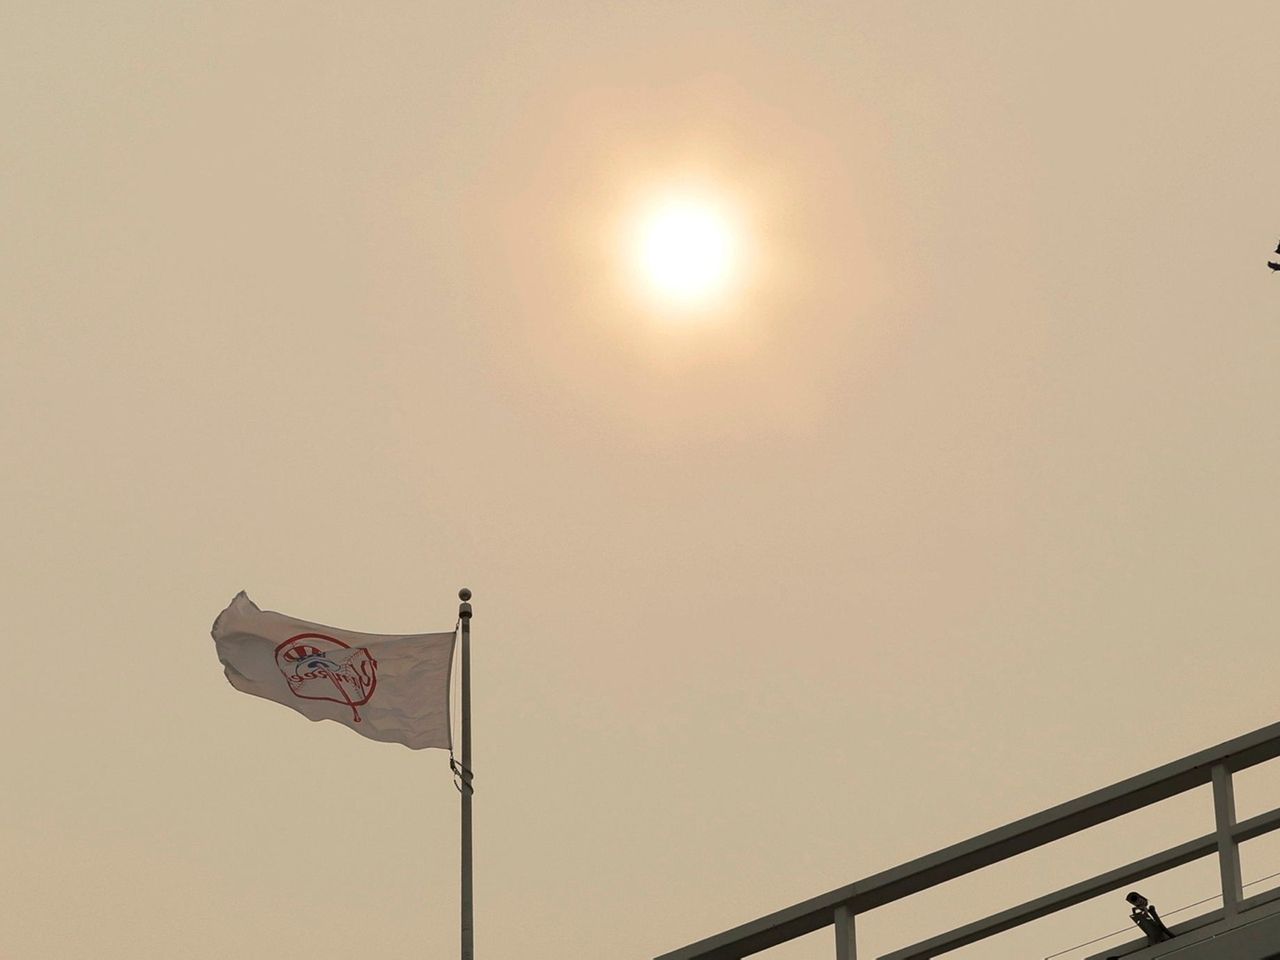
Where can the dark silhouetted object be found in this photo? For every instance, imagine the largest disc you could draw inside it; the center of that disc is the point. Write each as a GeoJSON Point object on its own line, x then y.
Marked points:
{"type": "Point", "coordinates": [1148, 921]}
{"type": "Point", "coordinates": [1273, 266]}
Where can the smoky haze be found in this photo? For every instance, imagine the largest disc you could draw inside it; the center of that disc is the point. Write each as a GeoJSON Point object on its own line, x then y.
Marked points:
{"type": "Point", "coordinates": [965, 506]}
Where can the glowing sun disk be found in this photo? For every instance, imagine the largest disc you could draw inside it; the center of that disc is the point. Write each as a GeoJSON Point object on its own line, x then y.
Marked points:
{"type": "Point", "coordinates": [686, 251]}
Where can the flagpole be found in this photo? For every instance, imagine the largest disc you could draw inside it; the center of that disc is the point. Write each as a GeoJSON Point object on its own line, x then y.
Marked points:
{"type": "Point", "coordinates": [468, 925]}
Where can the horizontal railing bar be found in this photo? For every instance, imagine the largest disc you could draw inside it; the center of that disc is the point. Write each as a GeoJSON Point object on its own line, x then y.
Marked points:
{"type": "Point", "coordinates": [1260, 899]}
{"type": "Point", "coordinates": [986, 849]}
{"type": "Point", "coordinates": [1060, 900]}
{"type": "Point", "coordinates": [1257, 826]}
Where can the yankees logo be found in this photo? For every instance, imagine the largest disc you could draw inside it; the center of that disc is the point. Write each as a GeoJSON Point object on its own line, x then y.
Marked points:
{"type": "Point", "coordinates": [318, 667]}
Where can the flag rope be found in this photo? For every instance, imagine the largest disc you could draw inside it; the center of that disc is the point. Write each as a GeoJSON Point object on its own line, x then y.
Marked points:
{"type": "Point", "coordinates": [455, 723]}
{"type": "Point", "coordinates": [461, 775]}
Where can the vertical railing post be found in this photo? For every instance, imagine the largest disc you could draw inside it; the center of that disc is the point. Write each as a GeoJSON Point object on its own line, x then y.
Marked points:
{"type": "Point", "coordinates": [1224, 814]}
{"type": "Point", "coordinates": [846, 949]}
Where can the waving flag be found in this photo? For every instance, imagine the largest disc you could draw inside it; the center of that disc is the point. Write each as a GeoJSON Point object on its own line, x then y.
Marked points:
{"type": "Point", "coordinates": [393, 688]}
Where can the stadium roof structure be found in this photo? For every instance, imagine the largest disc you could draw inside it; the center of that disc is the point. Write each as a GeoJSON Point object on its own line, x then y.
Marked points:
{"type": "Point", "coordinates": [1243, 929]}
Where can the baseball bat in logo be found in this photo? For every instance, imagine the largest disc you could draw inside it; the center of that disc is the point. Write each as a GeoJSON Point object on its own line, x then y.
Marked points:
{"type": "Point", "coordinates": [324, 668]}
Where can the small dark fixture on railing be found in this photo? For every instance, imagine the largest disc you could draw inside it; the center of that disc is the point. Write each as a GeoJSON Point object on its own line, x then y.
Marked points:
{"type": "Point", "coordinates": [1148, 921]}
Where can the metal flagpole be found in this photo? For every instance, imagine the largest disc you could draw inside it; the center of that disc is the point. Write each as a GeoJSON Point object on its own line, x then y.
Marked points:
{"type": "Point", "coordinates": [468, 925]}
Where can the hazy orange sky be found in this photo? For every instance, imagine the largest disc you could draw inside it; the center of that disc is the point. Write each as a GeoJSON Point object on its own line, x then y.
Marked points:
{"type": "Point", "coordinates": [961, 506]}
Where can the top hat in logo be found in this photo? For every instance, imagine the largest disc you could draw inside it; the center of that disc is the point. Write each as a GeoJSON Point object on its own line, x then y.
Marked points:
{"type": "Point", "coordinates": [324, 668]}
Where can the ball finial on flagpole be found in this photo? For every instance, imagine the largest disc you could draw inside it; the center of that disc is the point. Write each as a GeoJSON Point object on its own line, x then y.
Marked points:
{"type": "Point", "coordinates": [464, 609]}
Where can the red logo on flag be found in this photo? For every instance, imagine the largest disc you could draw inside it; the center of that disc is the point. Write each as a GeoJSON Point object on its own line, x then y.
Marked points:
{"type": "Point", "coordinates": [324, 668]}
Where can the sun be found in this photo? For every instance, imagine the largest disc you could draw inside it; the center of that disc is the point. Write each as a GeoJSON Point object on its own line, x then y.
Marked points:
{"type": "Point", "coordinates": [687, 251]}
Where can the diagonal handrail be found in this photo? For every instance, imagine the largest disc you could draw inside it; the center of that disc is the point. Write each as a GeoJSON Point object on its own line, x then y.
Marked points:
{"type": "Point", "coordinates": [994, 846]}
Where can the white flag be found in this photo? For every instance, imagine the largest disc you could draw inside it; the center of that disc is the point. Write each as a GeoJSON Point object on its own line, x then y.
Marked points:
{"type": "Point", "coordinates": [391, 688]}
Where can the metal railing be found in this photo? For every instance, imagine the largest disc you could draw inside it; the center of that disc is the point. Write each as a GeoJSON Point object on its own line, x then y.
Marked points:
{"type": "Point", "coordinates": [839, 907]}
